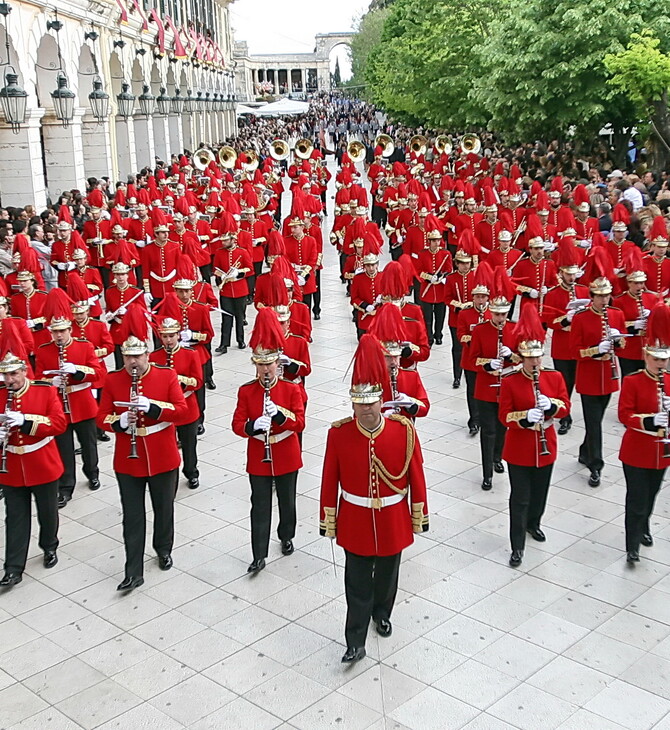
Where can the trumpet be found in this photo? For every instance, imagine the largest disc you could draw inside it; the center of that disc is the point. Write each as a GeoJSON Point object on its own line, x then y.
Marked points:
{"type": "Point", "coordinates": [5, 442]}
{"type": "Point", "coordinates": [134, 380]}
{"type": "Point", "coordinates": [544, 446]}
{"type": "Point", "coordinates": [62, 388]}
{"type": "Point", "coordinates": [267, 451]}
{"type": "Point", "coordinates": [357, 151]}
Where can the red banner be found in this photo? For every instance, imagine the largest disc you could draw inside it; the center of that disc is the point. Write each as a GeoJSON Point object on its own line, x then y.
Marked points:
{"type": "Point", "coordinates": [179, 50]}
{"type": "Point", "coordinates": [124, 13]}
{"type": "Point", "coordinates": [160, 35]}
{"type": "Point", "coordinates": [140, 12]}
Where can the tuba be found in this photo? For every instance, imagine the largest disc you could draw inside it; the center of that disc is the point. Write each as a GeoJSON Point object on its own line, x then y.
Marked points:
{"type": "Point", "coordinates": [443, 145]}
{"type": "Point", "coordinates": [386, 142]}
{"type": "Point", "coordinates": [253, 161]}
{"type": "Point", "coordinates": [202, 159]}
{"type": "Point", "coordinates": [357, 151]}
{"type": "Point", "coordinates": [227, 157]}
{"type": "Point", "coordinates": [303, 148]}
{"type": "Point", "coordinates": [470, 143]}
{"type": "Point", "coordinates": [279, 150]}
{"type": "Point", "coordinates": [418, 144]}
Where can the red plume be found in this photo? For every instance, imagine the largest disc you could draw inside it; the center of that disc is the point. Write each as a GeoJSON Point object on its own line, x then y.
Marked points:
{"type": "Point", "coordinates": [599, 264]}
{"type": "Point", "coordinates": [658, 324]}
{"type": "Point", "coordinates": [276, 245]}
{"type": "Point", "coordinates": [580, 195]}
{"type": "Point", "coordinates": [277, 294]}
{"type": "Point", "coordinates": [632, 260]}
{"type": "Point", "coordinates": [468, 243]}
{"type": "Point", "coordinates": [565, 219]}
{"type": "Point", "coordinates": [529, 327]}
{"type": "Point", "coordinates": [95, 199]}
{"type": "Point", "coordinates": [658, 229]}
{"type": "Point", "coordinates": [620, 214]}
{"type": "Point", "coordinates": [502, 284]}
{"type": "Point", "coordinates": [76, 289]}
{"type": "Point", "coordinates": [533, 227]}
{"type": "Point", "coordinates": [369, 363]}
{"type": "Point", "coordinates": [542, 200]}
{"type": "Point", "coordinates": [567, 253]}
{"type": "Point", "coordinates": [30, 262]}
{"type": "Point", "coordinates": [557, 184]}
{"type": "Point", "coordinates": [11, 342]}
{"type": "Point", "coordinates": [3, 288]}
{"type": "Point", "coordinates": [170, 307]}
{"type": "Point", "coordinates": [484, 276]}
{"type": "Point", "coordinates": [58, 305]}
{"type": "Point", "coordinates": [388, 324]}
{"type": "Point", "coordinates": [135, 322]}
{"type": "Point", "coordinates": [394, 283]}
{"type": "Point", "coordinates": [282, 266]}
{"type": "Point", "coordinates": [268, 333]}
{"type": "Point", "coordinates": [64, 214]}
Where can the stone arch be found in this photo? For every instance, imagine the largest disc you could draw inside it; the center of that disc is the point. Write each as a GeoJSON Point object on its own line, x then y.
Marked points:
{"type": "Point", "coordinates": [116, 72]}
{"type": "Point", "coordinates": [326, 42]}
{"type": "Point", "coordinates": [137, 78]}
{"type": "Point", "coordinates": [156, 79]}
{"type": "Point", "coordinates": [46, 67]}
{"type": "Point", "coordinates": [87, 68]}
{"type": "Point", "coordinates": [171, 81]}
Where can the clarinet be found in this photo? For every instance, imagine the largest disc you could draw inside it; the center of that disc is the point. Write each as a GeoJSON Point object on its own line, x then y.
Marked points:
{"type": "Point", "coordinates": [267, 451]}
{"type": "Point", "coordinates": [5, 441]}
{"type": "Point", "coordinates": [393, 376]}
{"type": "Point", "coordinates": [544, 447]}
{"type": "Point", "coordinates": [661, 393]}
{"type": "Point", "coordinates": [62, 389]}
{"type": "Point", "coordinates": [134, 380]}
{"type": "Point", "coordinates": [607, 335]}
{"type": "Point", "coordinates": [640, 312]}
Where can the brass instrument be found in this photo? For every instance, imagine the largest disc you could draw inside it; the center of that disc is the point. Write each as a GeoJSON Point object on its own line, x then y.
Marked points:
{"type": "Point", "coordinates": [279, 150]}
{"type": "Point", "coordinates": [640, 312]}
{"type": "Point", "coordinates": [62, 388]}
{"type": "Point", "coordinates": [5, 442]}
{"type": "Point", "coordinates": [267, 451]}
{"type": "Point", "coordinates": [253, 163]}
{"type": "Point", "coordinates": [443, 145]}
{"type": "Point", "coordinates": [227, 157]}
{"type": "Point", "coordinates": [661, 392]}
{"type": "Point", "coordinates": [357, 151]}
{"type": "Point", "coordinates": [134, 380]}
{"type": "Point", "coordinates": [470, 143]}
{"type": "Point", "coordinates": [418, 144]}
{"type": "Point", "coordinates": [544, 447]}
{"type": "Point", "coordinates": [303, 148]}
{"type": "Point", "coordinates": [202, 158]}
{"type": "Point", "coordinates": [386, 142]}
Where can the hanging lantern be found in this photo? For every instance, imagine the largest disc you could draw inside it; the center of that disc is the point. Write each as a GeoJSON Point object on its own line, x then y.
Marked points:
{"type": "Point", "coordinates": [146, 100]}
{"type": "Point", "coordinates": [189, 103]}
{"type": "Point", "coordinates": [163, 103]}
{"type": "Point", "coordinates": [200, 102]}
{"type": "Point", "coordinates": [125, 102]}
{"type": "Point", "coordinates": [177, 103]}
{"type": "Point", "coordinates": [99, 101]}
{"type": "Point", "coordinates": [63, 100]}
{"type": "Point", "coordinates": [14, 100]}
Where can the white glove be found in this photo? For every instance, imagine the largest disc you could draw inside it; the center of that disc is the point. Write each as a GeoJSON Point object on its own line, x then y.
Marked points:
{"type": "Point", "coordinates": [148, 299]}
{"type": "Point", "coordinates": [666, 402]}
{"type": "Point", "coordinates": [30, 323]}
{"type": "Point", "coordinates": [108, 316]}
{"type": "Point", "coordinates": [404, 399]}
{"type": "Point", "coordinates": [122, 311]}
{"type": "Point", "coordinates": [509, 272]}
{"type": "Point", "coordinates": [271, 409]}
{"type": "Point", "coordinates": [92, 300]}
{"type": "Point", "coordinates": [262, 423]}
{"type": "Point", "coordinates": [69, 367]}
{"type": "Point", "coordinates": [370, 308]}
{"type": "Point", "coordinates": [544, 291]}
{"type": "Point", "coordinates": [584, 243]}
{"type": "Point", "coordinates": [549, 246]}
{"type": "Point", "coordinates": [570, 315]}
{"type": "Point", "coordinates": [94, 392]}
{"type": "Point", "coordinates": [285, 359]}
{"type": "Point", "coordinates": [61, 266]}
{"type": "Point", "coordinates": [434, 278]}
{"type": "Point", "coordinates": [614, 332]}
{"type": "Point", "coordinates": [123, 420]}
{"type": "Point", "coordinates": [3, 432]}
{"type": "Point", "coordinates": [141, 243]}
{"type": "Point", "coordinates": [505, 351]}
{"type": "Point", "coordinates": [534, 415]}
{"type": "Point", "coordinates": [301, 280]}
{"type": "Point", "coordinates": [543, 402]}
{"type": "Point", "coordinates": [186, 335]}
{"type": "Point", "coordinates": [400, 239]}
{"type": "Point", "coordinates": [661, 419]}
{"type": "Point", "coordinates": [15, 419]}
{"type": "Point", "coordinates": [604, 347]}
{"type": "Point", "coordinates": [359, 270]}
{"type": "Point", "coordinates": [640, 324]}
{"type": "Point", "coordinates": [579, 274]}
{"type": "Point", "coordinates": [143, 403]}
{"type": "Point", "coordinates": [71, 266]}
{"type": "Point", "coordinates": [534, 293]}
{"type": "Point", "coordinates": [496, 364]}
{"type": "Point", "coordinates": [645, 313]}
{"type": "Point", "coordinates": [57, 381]}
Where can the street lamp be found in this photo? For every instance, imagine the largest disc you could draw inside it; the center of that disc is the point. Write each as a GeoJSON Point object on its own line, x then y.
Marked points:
{"type": "Point", "coordinates": [189, 103]}
{"type": "Point", "coordinates": [163, 103]}
{"type": "Point", "coordinates": [177, 102]}
{"type": "Point", "coordinates": [99, 101]}
{"type": "Point", "coordinates": [14, 100]}
{"type": "Point", "coordinates": [146, 100]}
{"type": "Point", "coordinates": [200, 103]}
{"type": "Point", "coordinates": [125, 102]}
{"type": "Point", "coordinates": [63, 99]}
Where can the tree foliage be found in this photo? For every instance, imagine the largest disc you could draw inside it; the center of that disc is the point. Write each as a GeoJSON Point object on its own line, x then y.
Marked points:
{"type": "Point", "coordinates": [368, 35]}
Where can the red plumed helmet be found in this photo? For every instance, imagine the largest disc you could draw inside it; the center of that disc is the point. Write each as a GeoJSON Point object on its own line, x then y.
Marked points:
{"type": "Point", "coordinates": [599, 265]}
{"type": "Point", "coordinates": [490, 197]}
{"type": "Point", "coordinates": [620, 214]}
{"type": "Point", "coordinates": [267, 338]}
{"type": "Point", "coordinates": [11, 343]}
{"type": "Point", "coordinates": [502, 284]}
{"type": "Point", "coordinates": [541, 200]}
{"type": "Point", "coordinates": [468, 243]}
{"type": "Point", "coordinates": [565, 219]}
{"type": "Point", "coordinates": [388, 327]}
{"type": "Point", "coordinates": [567, 257]}
{"type": "Point", "coordinates": [64, 214]}
{"type": "Point", "coordinates": [143, 197]}
{"type": "Point", "coordinates": [515, 173]}
{"type": "Point", "coordinates": [533, 227]}
{"type": "Point", "coordinates": [21, 242]}
{"type": "Point", "coordinates": [76, 288]}
{"type": "Point", "coordinates": [276, 245]}
{"type": "Point", "coordinates": [659, 230]}
{"type": "Point", "coordinates": [95, 199]}
{"type": "Point", "coordinates": [29, 261]}
{"type": "Point", "coordinates": [135, 323]}
{"type": "Point", "coordinates": [394, 283]}
{"type": "Point", "coordinates": [528, 333]}
{"type": "Point", "coordinates": [483, 279]}
{"type": "Point", "coordinates": [170, 307]}
{"type": "Point", "coordinates": [658, 330]}
{"type": "Point", "coordinates": [58, 307]}
{"type": "Point", "coordinates": [370, 374]}
{"type": "Point", "coordinates": [632, 261]}
{"type": "Point", "coordinates": [557, 185]}
{"type": "Point", "coordinates": [580, 195]}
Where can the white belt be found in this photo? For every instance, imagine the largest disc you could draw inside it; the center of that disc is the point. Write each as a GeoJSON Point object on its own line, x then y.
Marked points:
{"type": "Point", "coordinates": [78, 386]}
{"type": "Point", "coordinates": [148, 430]}
{"type": "Point", "coordinates": [188, 392]}
{"type": "Point", "coordinates": [29, 448]}
{"type": "Point", "coordinates": [163, 278]}
{"type": "Point", "coordinates": [275, 438]}
{"type": "Point", "coordinates": [372, 502]}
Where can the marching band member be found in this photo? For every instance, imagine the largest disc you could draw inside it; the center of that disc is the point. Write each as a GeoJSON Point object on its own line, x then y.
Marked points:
{"type": "Point", "coordinates": [159, 261]}
{"type": "Point", "coordinates": [365, 294]}
{"type": "Point", "coordinates": [21, 328]}
{"type": "Point", "coordinates": [529, 401]}
{"type": "Point", "coordinates": [535, 275]}
{"type": "Point", "coordinates": [65, 245]}
{"type": "Point", "coordinates": [434, 265]}
{"type": "Point", "coordinates": [370, 467]}
{"type": "Point", "coordinates": [31, 465]}
{"type": "Point", "coordinates": [141, 403]}
{"type": "Point", "coordinates": [270, 414]}
{"type": "Point", "coordinates": [28, 302]}
{"type": "Point", "coordinates": [91, 278]}
{"type": "Point", "coordinates": [504, 255]}
{"type": "Point", "coordinates": [657, 264]}
{"type": "Point", "coordinates": [301, 251]}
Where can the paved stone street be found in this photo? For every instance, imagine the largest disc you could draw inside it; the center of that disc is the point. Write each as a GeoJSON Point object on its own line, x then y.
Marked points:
{"type": "Point", "coordinates": [573, 639]}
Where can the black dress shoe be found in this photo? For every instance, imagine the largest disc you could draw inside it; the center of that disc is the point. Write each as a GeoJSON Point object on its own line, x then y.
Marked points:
{"type": "Point", "coordinates": [456, 384]}
{"type": "Point", "coordinates": [256, 566]}
{"type": "Point", "coordinates": [498, 467]}
{"type": "Point", "coordinates": [94, 484]}
{"type": "Point", "coordinates": [384, 627]}
{"type": "Point", "coordinates": [536, 534]}
{"type": "Point", "coordinates": [194, 483]}
{"type": "Point", "coordinates": [563, 429]}
{"type": "Point", "coordinates": [487, 484]}
{"type": "Point", "coordinates": [317, 317]}
{"type": "Point", "coordinates": [353, 654]}
{"type": "Point", "coordinates": [201, 430]}
{"type": "Point", "coordinates": [50, 559]}
{"type": "Point", "coordinates": [594, 479]}
{"type": "Point", "coordinates": [165, 562]}
{"type": "Point", "coordinates": [474, 430]}
{"type": "Point", "coordinates": [647, 540]}
{"type": "Point", "coordinates": [244, 322]}
{"type": "Point", "coordinates": [10, 579]}
{"type": "Point", "coordinates": [221, 349]}
{"type": "Point", "coordinates": [438, 340]}
{"type": "Point", "coordinates": [63, 499]}
{"type": "Point", "coordinates": [130, 583]}
{"type": "Point", "coordinates": [515, 558]}
{"type": "Point", "coordinates": [241, 344]}
{"type": "Point", "coordinates": [287, 547]}
{"type": "Point", "coordinates": [210, 385]}
{"type": "Point", "coordinates": [632, 556]}
{"type": "Point", "coordinates": [77, 451]}
{"type": "Point", "coordinates": [102, 436]}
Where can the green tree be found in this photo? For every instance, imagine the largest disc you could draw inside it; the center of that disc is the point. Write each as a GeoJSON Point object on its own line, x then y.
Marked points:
{"type": "Point", "coordinates": [337, 76]}
{"type": "Point", "coordinates": [368, 35]}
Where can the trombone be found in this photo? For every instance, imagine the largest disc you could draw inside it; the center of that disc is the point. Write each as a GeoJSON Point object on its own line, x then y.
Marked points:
{"type": "Point", "coordinates": [386, 142]}
{"type": "Point", "coordinates": [357, 151]}
{"type": "Point", "coordinates": [303, 148]}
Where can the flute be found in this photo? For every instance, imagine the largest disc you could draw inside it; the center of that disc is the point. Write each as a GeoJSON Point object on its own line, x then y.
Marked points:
{"type": "Point", "coordinates": [544, 447]}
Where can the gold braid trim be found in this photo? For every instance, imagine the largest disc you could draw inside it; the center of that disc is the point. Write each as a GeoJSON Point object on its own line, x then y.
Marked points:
{"type": "Point", "coordinates": [419, 520]}
{"type": "Point", "coordinates": [329, 524]}
{"type": "Point", "coordinates": [382, 472]}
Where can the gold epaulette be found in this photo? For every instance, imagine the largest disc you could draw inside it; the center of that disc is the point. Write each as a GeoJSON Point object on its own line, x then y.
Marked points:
{"type": "Point", "coordinates": [341, 422]}
{"type": "Point", "coordinates": [403, 419]}
{"type": "Point", "coordinates": [250, 382]}
{"type": "Point", "coordinates": [46, 344]}
{"type": "Point", "coordinates": [160, 367]}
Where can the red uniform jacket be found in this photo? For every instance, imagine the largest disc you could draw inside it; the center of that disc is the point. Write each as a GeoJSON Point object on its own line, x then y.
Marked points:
{"type": "Point", "coordinates": [116, 298]}
{"type": "Point", "coordinates": [96, 230]}
{"type": "Point", "coordinates": [505, 259]}
{"type": "Point", "coordinates": [24, 333]}
{"type": "Point", "coordinates": [297, 349]}
{"type": "Point", "coordinates": [417, 335]}
{"type": "Point", "coordinates": [61, 252]}
{"type": "Point", "coordinates": [631, 311]}
{"type": "Point", "coordinates": [534, 275]}
{"type": "Point", "coordinates": [511, 218]}
{"type": "Point", "coordinates": [93, 281]}
{"type": "Point", "coordinates": [616, 253]}
{"type": "Point", "coordinates": [31, 308]}
{"type": "Point", "coordinates": [415, 242]}
{"type": "Point", "coordinates": [195, 317]}
{"type": "Point", "coordinates": [638, 403]}
{"type": "Point", "coordinates": [155, 433]}
{"type": "Point", "coordinates": [304, 255]}
{"type": "Point", "coordinates": [658, 274]}
{"type": "Point", "coordinates": [428, 264]}
{"type": "Point", "coordinates": [159, 268]}
{"type": "Point", "coordinates": [468, 319]}
{"type": "Point", "coordinates": [517, 397]}
{"type": "Point", "coordinates": [95, 332]}
{"type": "Point", "coordinates": [594, 371]}
{"type": "Point", "coordinates": [259, 237]}
{"type": "Point", "coordinates": [188, 368]}
{"type": "Point", "coordinates": [364, 291]}
{"type": "Point", "coordinates": [89, 372]}
{"type": "Point", "coordinates": [140, 231]}
{"type": "Point", "coordinates": [301, 320]}
{"type": "Point", "coordinates": [286, 425]}
{"type": "Point", "coordinates": [487, 233]}
{"type": "Point", "coordinates": [553, 315]}
{"type": "Point", "coordinates": [32, 454]}
{"type": "Point", "coordinates": [458, 294]}
{"type": "Point", "coordinates": [227, 258]}
{"type": "Point", "coordinates": [409, 383]}
{"type": "Point", "coordinates": [377, 465]}
{"type": "Point", "coordinates": [466, 221]}
{"type": "Point", "coordinates": [586, 229]}
{"type": "Point", "coordinates": [483, 349]}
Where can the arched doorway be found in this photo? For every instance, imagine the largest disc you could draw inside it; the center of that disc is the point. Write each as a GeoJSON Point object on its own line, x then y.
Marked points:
{"type": "Point", "coordinates": [124, 129]}
{"type": "Point", "coordinates": [339, 63]}
{"type": "Point", "coordinates": [160, 125]}
{"type": "Point", "coordinates": [95, 135]}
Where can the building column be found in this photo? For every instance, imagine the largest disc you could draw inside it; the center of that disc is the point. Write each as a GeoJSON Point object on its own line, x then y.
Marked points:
{"type": "Point", "coordinates": [22, 154]}
{"type": "Point", "coordinates": [161, 139]}
{"type": "Point", "coordinates": [176, 134]}
{"type": "Point", "coordinates": [276, 81]}
{"type": "Point", "coordinates": [187, 130]}
{"type": "Point", "coordinates": [125, 147]}
{"type": "Point", "coordinates": [97, 147]}
{"type": "Point", "coordinates": [63, 154]}
{"type": "Point", "coordinates": [303, 79]}
{"type": "Point", "coordinates": [145, 146]}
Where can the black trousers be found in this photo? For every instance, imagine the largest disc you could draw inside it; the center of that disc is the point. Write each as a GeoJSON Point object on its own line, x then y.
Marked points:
{"type": "Point", "coordinates": [316, 297]}
{"type": "Point", "coordinates": [251, 281]}
{"type": "Point", "coordinates": [307, 299]}
{"type": "Point", "coordinates": [261, 510]}
{"type": "Point", "coordinates": [206, 272]}
{"type": "Point", "coordinates": [161, 491]}
{"type": "Point", "coordinates": [104, 275]}
{"type": "Point", "coordinates": [208, 369]}
{"type": "Point", "coordinates": [188, 439]}
{"type": "Point", "coordinates": [343, 259]}
{"type": "Point", "coordinates": [370, 586]}
{"type": "Point", "coordinates": [87, 435]}
{"type": "Point", "coordinates": [416, 290]}
{"type": "Point", "coordinates": [529, 486]}
{"type": "Point", "coordinates": [433, 315]}
{"type": "Point", "coordinates": [18, 522]}
{"type": "Point", "coordinates": [396, 252]}
{"type": "Point", "coordinates": [642, 486]}
{"type": "Point", "coordinates": [456, 351]}
{"type": "Point", "coordinates": [237, 306]}
{"type": "Point", "coordinates": [491, 436]}
{"type": "Point", "coordinates": [473, 403]}
{"type": "Point", "coordinates": [118, 357]}
{"type": "Point", "coordinates": [568, 369]}
{"type": "Point", "coordinates": [379, 215]}
{"type": "Point", "coordinates": [629, 366]}
{"type": "Point", "coordinates": [591, 449]}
